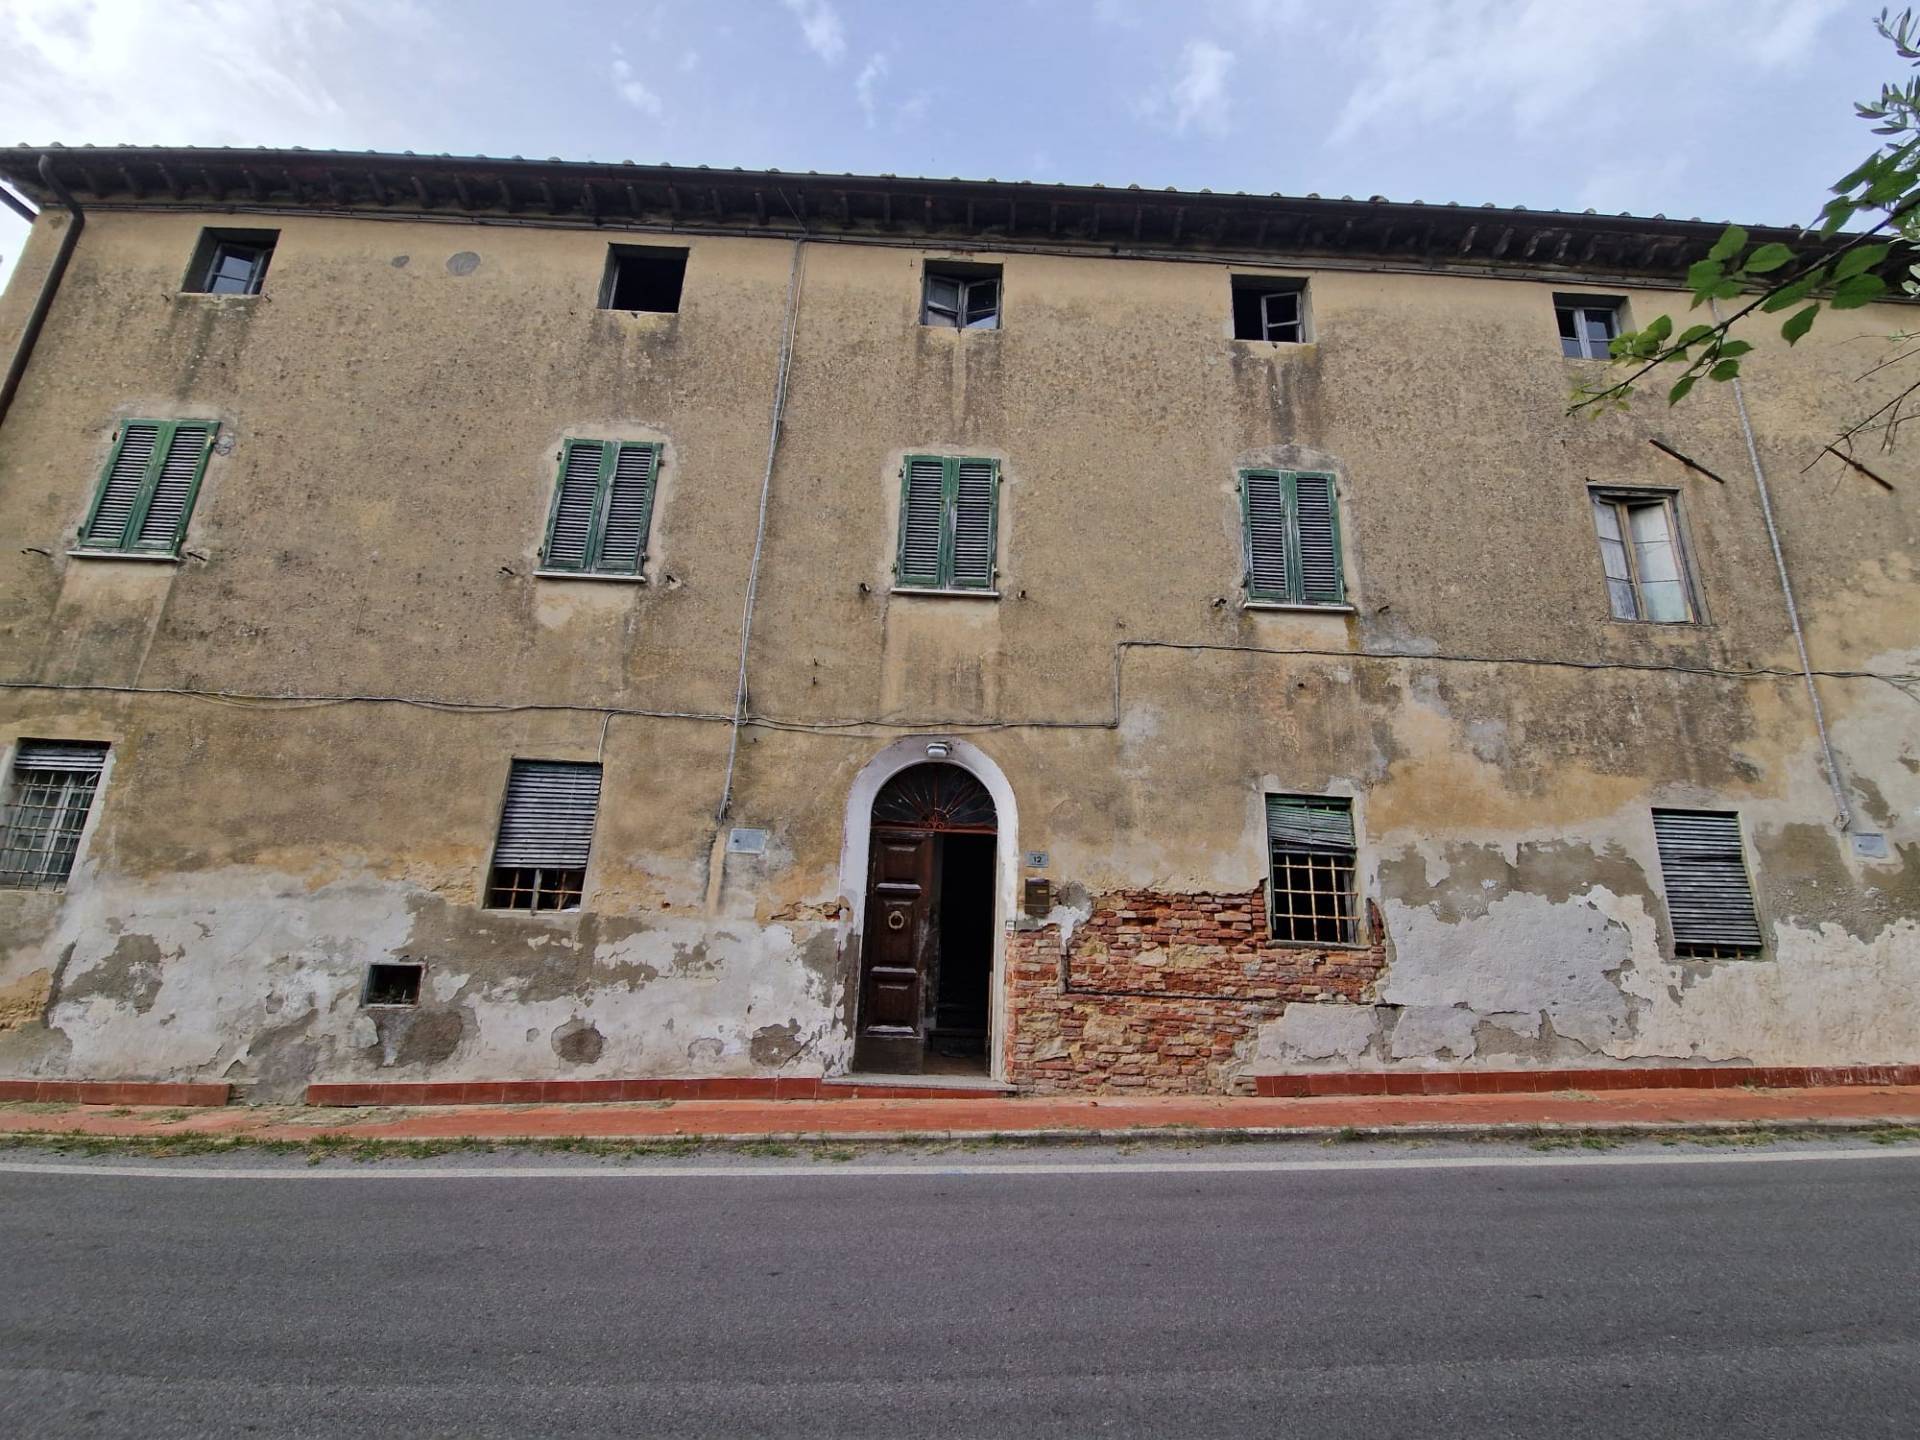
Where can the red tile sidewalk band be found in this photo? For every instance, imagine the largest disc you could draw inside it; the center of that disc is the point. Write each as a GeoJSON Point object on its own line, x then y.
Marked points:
{"type": "Point", "coordinates": [1064, 1116]}
{"type": "Point", "coordinates": [116, 1092]}
{"type": "Point", "coordinates": [1343, 1082]}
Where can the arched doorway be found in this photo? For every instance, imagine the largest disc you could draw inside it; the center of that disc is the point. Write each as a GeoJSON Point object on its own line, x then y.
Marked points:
{"type": "Point", "coordinates": [926, 968]}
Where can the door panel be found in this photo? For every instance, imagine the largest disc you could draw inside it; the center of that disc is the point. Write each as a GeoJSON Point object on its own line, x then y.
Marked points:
{"type": "Point", "coordinates": [898, 932]}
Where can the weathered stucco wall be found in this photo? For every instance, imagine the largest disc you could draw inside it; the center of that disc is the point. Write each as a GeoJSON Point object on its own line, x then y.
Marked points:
{"type": "Point", "coordinates": [396, 401]}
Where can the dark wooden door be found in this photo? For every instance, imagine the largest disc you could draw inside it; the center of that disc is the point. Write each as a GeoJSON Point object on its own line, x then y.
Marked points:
{"type": "Point", "coordinates": [894, 950]}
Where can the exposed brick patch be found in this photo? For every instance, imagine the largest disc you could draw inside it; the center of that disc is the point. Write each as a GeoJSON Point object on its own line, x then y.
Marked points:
{"type": "Point", "coordinates": [1164, 993]}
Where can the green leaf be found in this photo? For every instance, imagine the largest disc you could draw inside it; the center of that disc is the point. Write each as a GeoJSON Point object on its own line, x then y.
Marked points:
{"type": "Point", "coordinates": [1796, 292]}
{"type": "Point", "coordinates": [1660, 329]}
{"type": "Point", "coordinates": [1694, 334]}
{"type": "Point", "coordinates": [1768, 257]}
{"type": "Point", "coordinates": [1857, 290]}
{"type": "Point", "coordinates": [1725, 289]}
{"type": "Point", "coordinates": [1731, 242]}
{"type": "Point", "coordinates": [1680, 388]}
{"type": "Point", "coordinates": [1733, 348]}
{"type": "Point", "coordinates": [1855, 262]}
{"type": "Point", "coordinates": [1799, 323]}
{"type": "Point", "coordinates": [1725, 370]}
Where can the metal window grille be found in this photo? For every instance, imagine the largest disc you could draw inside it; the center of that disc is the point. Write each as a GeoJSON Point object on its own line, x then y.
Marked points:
{"type": "Point", "coordinates": [1587, 327]}
{"type": "Point", "coordinates": [1640, 552]}
{"type": "Point", "coordinates": [949, 510]}
{"type": "Point", "coordinates": [47, 805]}
{"type": "Point", "coordinates": [961, 302]}
{"type": "Point", "coordinates": [1311, 857]}
{"type": "Point", "coordinates": [1709, 899]}
{"type": "Point", "coordinates": [546, 834]}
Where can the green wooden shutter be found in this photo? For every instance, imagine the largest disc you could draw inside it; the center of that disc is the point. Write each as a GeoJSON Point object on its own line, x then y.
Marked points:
{"type": "Point", "coordinates": [1300, 822]}
{"type": "Point", "coordinates": [974, 513]}
{"type": "Point", "coordinates": [120, 486]}
{"type": "Point", "coordinates": [1317, 531]}
{"type": "Point", "coordinates": [1263, 504]}
{"type": "Point", "coordinates": [176, 480]}
{"type": "Point", "coordinates": [924, 548]}
{"type": "Point", "coordinates": [149, 486]}
{"type": "Point", "coordinates": [576, 506]}
{"type": "Point", "coordinates": [628, 510]}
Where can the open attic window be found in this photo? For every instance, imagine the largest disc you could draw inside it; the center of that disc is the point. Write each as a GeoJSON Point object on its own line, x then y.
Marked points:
{"type": "Point", "coordinates": [1269, 307]}
{"type": "Point", "coordinates": [393, 983]}
{"type": "Point", "coordinates": [643, 277]}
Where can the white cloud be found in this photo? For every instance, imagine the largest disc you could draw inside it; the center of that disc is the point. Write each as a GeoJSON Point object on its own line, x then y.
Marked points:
{"type": "Point", "coordinates": [820, 24]}
{"type": "Point", "coordinates": [871, 74]}
{"type": "Point", "coordinates": [632, 91]}
{"type": "Point", "coordinates": [1196, 98]}
{"type": "Point", "coordinates": [1431, 62]}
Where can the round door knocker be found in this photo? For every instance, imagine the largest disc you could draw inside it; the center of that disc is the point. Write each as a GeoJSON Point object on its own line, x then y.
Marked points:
{"type": "Point", "coordinates": [896, 920]}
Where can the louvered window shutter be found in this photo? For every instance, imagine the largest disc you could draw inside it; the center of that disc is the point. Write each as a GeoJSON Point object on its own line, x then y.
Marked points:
{"type": "Point", "coordinates": [1263, 498]}
{"type": "Point", "coordinates": [629, 508]}
{"type": "Point", "coordinates": [548, 818]}
{"type": "Point", "coordinates": [178, 477]}
{"type": "Point", "coordinates": [576, 502]}
{"type": "Point", "coordinates": [1705, 875]}
{"type": "Point", "coordinates": [922, 522]}
{"type": "Point", "coordinates": [1300, 823]}
{"type": "Point", "coordinates": [973, 524]}
{"type": "Point", "coordinates": [147, 494]}
{"type": "Point", "coordinates": [1319, 532]}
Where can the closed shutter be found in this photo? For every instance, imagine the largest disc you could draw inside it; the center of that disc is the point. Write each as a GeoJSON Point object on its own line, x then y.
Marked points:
{"type": "Point", "coordinates": [166, 519]}
{"type": "Point", "coordinates": [120, 489]}
{"type": "Point", "coordinates": [1705, 874]}
{"type": "Point", "coordinates": [1264, 498]}
{"type": "Point", "coordinates": [922, 506]}
{"type": "Point", "coordinates": [1296, 822]}
{"type": "Point", "coordinates": [629, 507]}
{"type": "Point", "coordinates": [77, 756]}
{"type": "Point", "coordinates": [973, 517]}
{"type": "Point", "coordinates": [575, 506]}
{"type": "Point", "coordinates": [1319, 540]}
{"type": "Point", "coordinates": [548, 817]}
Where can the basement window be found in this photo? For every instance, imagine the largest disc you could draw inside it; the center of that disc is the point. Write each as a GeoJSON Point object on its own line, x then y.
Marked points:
{"type": "Point", "coordinates": [643, 277]}
{"type": "Point", "coordinates": [230, 262]}
{"type": "Point", "coordinates": [1588, 324]}
{"type": "Point", "coordinates": [961, 297]}
{"type": "Point", "coordinates": [1310, 852]}
{"type": "Point", "coordinates": [1709, 898]}
{"type": "Point", "coordinates": [48, 799]}
{"type": "Point", "coordinates": [392, 983]}
{"type": "Point", "coordinates": [1266, 307]}
{"type": "Point", "coordinates": [546, 832]}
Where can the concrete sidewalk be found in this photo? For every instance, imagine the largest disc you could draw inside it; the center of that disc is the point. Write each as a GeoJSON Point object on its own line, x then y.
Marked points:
{"type": "Point", "coordinates": [976, 1117]}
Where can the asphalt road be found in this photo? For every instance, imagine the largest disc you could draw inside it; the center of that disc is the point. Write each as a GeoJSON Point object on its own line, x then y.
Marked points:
{"type": "Point", "coordinates": [1603, 1299]}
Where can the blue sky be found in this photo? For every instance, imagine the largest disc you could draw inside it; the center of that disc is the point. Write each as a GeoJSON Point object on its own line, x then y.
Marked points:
{"type": "Point", "coordinates": [1718, 108]}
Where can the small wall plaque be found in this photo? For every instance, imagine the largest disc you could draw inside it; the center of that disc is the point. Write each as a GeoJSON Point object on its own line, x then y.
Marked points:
{"type": "Point", "coordinates": [1869, 846]}
{"type": "Point", "coordinates": [1038, 859]}
{"type": "Point", "coordinates": [1039, 896]}
{"type": "Point", "coordinates": [747, 842]}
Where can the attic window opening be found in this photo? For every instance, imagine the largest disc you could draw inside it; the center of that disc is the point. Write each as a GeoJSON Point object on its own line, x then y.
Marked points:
{"type": "Point", "coordinates": [643, 277]}
{"type": "Point", "coordinates": [230, 262]}
{"type": "Point", "coordinates": [1267, 307]}
{"type": "Point", "coordinates": [393, 983]}
{"type": "Point", "coordinates": [1588, 324]}
{"type": "Point", "coordinates": [961, 297]}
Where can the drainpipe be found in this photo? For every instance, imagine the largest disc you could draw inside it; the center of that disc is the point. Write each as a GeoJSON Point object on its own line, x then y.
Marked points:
{"type": "Point", "coordinates": [24, 350]}
{"type": "Point", "coordinates": [1845, 815]}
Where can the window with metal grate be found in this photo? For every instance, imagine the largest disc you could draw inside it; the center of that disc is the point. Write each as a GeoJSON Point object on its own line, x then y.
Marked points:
{"type": "Point", "coordinates": [1310, 852]}
{"type": "Point", "coordinates": [1292, 532]}
{"type": "Point", "coordinates": [602, 508]}
{"type": "Point", "coordinates": [151, 481]}
{"type": "Point", "coordinates": [546, 833]}
{"type": "Point", "coordinates": [949, 514]}
{"type": "Point", "coordinates": [49, 795]}
{"type": "Point", "coordinates": [1709, 898]}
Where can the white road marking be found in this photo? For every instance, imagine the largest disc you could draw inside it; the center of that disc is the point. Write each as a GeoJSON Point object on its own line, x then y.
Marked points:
{"type": "Point", "coordinates": [747, 1170]}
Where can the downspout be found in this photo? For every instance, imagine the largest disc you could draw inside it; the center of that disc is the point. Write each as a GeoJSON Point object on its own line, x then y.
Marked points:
{"type": "Point", "coordinates": [1793, 609]}
{"type": "Point", "coordinates": [48, 286]}
{"type": "Point", "coordinates": [788, 327]}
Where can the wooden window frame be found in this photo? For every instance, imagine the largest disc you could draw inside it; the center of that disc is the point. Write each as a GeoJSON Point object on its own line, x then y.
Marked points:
{"type": "Point", "coordinates": [130, 542]}
{"type": "Point", "coordinates": [1621, 498]}
{"type": "Point", "coordinates": [1580, 306]}
{"type": "Point", "coordinates": [1294, 592]}
{"type": "Point", "coordinates": [947, 581]}
{"type": "Point", "coordinates": [593, 560]}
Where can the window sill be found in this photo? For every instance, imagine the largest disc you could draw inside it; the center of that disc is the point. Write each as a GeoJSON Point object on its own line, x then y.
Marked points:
{"type": "Point", "coordinates": [222, 299]}
{"type": "Point", "coordinates": [146, 556]}
{"type": "Point", "coordinates": [1276, 344]}
{"type": "Point", "coordinates": [1344, 945]}
{"type": "Point", "coordinates": [1290, 606]}
{"type": "Point", "coordinates": [602, 575]}
{"type": "Point", "coordinates": [1659, 624]}
{"type": "Point", "coordinates": [929, 590]}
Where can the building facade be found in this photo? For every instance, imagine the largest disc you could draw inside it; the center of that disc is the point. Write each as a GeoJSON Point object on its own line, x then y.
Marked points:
{"type": "Point", "coordinates": [468, 620]}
